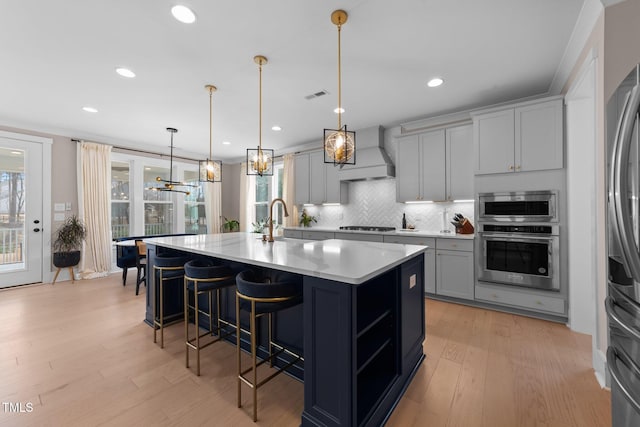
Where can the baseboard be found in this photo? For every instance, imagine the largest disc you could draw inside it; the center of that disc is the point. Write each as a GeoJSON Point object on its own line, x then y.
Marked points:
{"type": "Point", "coordinates": [599, 360]}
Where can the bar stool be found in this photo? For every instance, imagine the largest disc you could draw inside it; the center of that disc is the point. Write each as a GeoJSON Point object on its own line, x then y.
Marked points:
{"type": "Point", "coordinates": [262, 296]}
{"type": "Point", "coordinates": [141, 264]}
{"type": "Point", "coordinates": [166, 268]}
{"type": "Point", "coordinates": [204, 277]}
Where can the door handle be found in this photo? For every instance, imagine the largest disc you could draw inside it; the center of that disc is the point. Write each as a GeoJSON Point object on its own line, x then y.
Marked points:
{"type": "Point", "coordinates": [36, 221]}
{"type": "Point", "coordinates": [36, 229]}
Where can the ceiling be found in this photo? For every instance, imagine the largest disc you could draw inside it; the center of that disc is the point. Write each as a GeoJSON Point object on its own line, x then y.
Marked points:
{"type": "Point", "coordinates": [59, 56]}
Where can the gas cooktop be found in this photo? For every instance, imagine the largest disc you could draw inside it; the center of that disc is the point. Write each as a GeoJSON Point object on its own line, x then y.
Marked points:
{"type": "Point", "coordinates": [366, 228]}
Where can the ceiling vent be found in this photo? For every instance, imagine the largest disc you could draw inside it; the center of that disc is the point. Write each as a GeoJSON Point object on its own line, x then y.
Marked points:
{"type": "Point", "coordinates": [317, 94]}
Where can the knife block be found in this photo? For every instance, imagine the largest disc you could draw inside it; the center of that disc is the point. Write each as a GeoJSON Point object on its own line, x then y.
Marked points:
{"type": "Point", "coordinates": [467, 228]}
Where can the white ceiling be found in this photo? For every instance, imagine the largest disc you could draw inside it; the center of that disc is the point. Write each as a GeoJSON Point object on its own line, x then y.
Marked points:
{"type": "Point", "coordinates": [58, 56]}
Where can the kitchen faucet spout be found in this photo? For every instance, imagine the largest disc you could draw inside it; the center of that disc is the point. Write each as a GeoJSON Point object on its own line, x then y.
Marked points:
{"type": "Point", "coordinates": [273, 202]}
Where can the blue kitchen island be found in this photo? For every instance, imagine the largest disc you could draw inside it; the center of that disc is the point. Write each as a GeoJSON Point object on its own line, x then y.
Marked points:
{"type": "Point", "coordinates": [360, 328]}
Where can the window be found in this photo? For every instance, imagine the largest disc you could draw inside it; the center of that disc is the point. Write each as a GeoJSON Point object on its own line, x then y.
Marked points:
{"type": "Point", "coordinates": [195, 220]}
{"type": "Point", "coordinates": [158, 205]}
{"type": "Point", "coordinates": [267, 189]}
{"type": "Point", "coordinates": [120, 199]}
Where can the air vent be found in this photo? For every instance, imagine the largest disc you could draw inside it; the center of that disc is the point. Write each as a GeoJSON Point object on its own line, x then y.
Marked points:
{"type": "Point", "coordinates": [317, 94]}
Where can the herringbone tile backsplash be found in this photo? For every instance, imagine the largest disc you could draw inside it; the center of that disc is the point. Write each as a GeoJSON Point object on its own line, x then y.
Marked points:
{"type": "Point", "coordinates": [374, 203]}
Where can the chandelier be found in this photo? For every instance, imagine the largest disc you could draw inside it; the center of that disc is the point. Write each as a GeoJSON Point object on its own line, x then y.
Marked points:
{"type": "Point", "coordinates": [260, 160]}
{"type": "Point", "coordinates": [210, 170]}
{"type": "Point", "coordinates": [170, 184]}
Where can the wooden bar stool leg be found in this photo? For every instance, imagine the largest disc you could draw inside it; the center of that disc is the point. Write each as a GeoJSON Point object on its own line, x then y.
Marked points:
{"type": "Point", "coordinates": [56, 276]}
{"type": "Point", "coordinates": [71, 274]}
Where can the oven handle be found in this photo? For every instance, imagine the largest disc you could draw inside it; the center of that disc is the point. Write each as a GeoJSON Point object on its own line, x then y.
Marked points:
{"type": "Point", "coordinates": [619, 184]}
{"type": "Point", "coordinates": [517, 237]}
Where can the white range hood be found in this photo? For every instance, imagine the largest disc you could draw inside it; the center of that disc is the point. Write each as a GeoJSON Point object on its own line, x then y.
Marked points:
{"type": "Point", "coordinates": [372, 162]}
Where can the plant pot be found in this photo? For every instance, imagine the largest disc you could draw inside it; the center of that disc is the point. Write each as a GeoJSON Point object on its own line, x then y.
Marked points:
{"type": "Point", "coordinates": [66, 259]}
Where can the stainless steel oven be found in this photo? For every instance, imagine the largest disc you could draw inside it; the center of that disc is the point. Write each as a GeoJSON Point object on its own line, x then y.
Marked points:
{"type": "Point", "coordinates": [520, 254]}
{"type": "Point", "coordinates": [519, 206]}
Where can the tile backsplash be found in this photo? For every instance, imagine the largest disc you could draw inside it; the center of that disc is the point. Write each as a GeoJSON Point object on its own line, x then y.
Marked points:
{"type": "Point", "coordinates": [374, 203]}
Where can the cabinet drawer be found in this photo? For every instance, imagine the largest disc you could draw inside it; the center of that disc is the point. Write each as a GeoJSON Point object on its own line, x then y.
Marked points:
{"type": "Point", "coordinates": [516, 298]}
{"type": "Point", "coordinates": [317, 235]}
{"type": "Point", "coordinates": [411, 240]}
{"type": "Point", "coordinates": [360, 236]}
{"type": "Point", "coordinates": [295, 234]}
{"type": "Point", "coordinates": [455, 244]}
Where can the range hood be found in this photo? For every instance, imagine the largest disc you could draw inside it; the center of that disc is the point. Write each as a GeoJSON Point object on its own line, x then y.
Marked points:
{"type": "Point", "coordinates": [372, 162]}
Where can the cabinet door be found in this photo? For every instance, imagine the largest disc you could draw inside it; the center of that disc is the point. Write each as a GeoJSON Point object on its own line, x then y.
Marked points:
{"type": "Point", "coordinates": [432, 156]}
{"type": "Point", "coordinates": [301, 173]}
{"type": "Point", "coordinates": [430, 271]}
{"type": "Point", "coordinates": [538, 136]}
{"type": "Point", "coordinates": [408, 169]}
{"type": "Point", "coordinates": [493, 139]}
{"type": "Point", "coordinates": [460, 163]}
{"type": "Point", "coordinates": [454, 272]}
{"type": "Point", "coordinates": [317, 193]}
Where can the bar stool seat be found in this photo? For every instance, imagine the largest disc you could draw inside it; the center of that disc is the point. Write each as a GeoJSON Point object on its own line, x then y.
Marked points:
{"type": "Point", "coordinates": [166, 268]}
{"type": "Point", "coordinates": [263, 296]}
{"type": "Point", "coordinates": [202, 276]}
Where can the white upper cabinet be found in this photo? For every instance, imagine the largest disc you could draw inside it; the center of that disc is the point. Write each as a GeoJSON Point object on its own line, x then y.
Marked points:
{"type": "Point", "coordinates": [523, 137]}
{"type": "Point", "coordinates": [318, 182]}
{"type": "Point", "coordinates": [435, 165]}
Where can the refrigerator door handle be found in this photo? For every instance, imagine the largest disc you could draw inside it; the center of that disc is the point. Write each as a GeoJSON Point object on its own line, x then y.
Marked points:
{"type": "Point", "coordinates": [614, 370]}
{"type": "Point", "coordinates": [610, 307]}
{"type": "Point", "coordinates": [620, 186]}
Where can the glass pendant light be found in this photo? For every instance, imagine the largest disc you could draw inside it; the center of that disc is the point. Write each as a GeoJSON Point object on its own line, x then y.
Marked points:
{"type": "Point", "coordinates": [340, 143]}
{"type": "Point", "coordinates": [210, 170]}
{"type": "Point", "coordinates": [260, 160]}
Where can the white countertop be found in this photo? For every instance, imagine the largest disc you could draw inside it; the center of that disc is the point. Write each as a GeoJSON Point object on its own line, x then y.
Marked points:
{"type": "Point", "coordinates": [417, 232]}
{"type": "Point", "coordinates": [346, 261]}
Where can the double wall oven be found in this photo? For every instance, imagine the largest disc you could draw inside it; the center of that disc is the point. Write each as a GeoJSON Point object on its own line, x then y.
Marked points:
{"type": "Point", "coordinates": [519, 239]}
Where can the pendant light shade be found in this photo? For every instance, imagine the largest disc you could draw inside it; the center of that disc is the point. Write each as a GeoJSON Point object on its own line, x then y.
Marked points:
{"type": "Point", "coordinates": [260, 160]}
{"type": "Point", "coordinates": [210, 170]}
{"type": "Point", "coordinates": [170, 184]}
{"type": "Point", "coordinates": [339, 144]}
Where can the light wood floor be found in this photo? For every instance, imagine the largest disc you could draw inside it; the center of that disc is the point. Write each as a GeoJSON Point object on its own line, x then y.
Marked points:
{"type": "Point", "coordinates": [82, 356]}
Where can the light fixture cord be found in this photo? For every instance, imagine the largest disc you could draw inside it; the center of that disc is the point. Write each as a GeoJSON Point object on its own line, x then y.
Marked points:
{"type": "Point", "coordinates": [210, 122]}
{"type": "Point", "coordinates": [171, 162]}
{"type": "Point", "coordinates": [260, 114]}
{"type": "Point", "coordinates": [339, 80]}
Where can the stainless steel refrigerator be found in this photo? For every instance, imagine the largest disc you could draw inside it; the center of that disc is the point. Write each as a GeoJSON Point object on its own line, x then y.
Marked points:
{"type": "Point", "coordinates": [623, 295]}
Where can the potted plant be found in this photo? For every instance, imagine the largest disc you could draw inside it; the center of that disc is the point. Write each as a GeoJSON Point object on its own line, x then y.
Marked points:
{"type": "Point", "coordinates": [259, 225]}
{"type": "Point", "coordinates": [230, 225]}
{"type": "Point", "coordinates": [68, 241]}
{"type": "Point", "coordinates": [306, 219]}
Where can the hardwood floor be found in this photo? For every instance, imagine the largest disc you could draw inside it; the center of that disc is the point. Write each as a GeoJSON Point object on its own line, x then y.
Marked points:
{"type": "Point", "coordinates": [81, 355]}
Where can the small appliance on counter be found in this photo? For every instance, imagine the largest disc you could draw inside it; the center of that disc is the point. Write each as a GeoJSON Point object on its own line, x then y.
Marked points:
{"type": "Point", "coordinates": [462, 224]}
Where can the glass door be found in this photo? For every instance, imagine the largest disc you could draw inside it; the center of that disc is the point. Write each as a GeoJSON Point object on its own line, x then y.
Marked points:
{"type": "Point", "coordinates": [21, 236]}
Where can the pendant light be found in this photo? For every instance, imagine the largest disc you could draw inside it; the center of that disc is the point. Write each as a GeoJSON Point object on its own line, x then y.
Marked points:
{"type": "Point", "coordinates": [340, 143]}
{"type": "Point", "coordinates": [170, 184]}
{"type": "Point", "coordinates": [210, 170]}
{"type": "Point", "coordinates": [260, 160]}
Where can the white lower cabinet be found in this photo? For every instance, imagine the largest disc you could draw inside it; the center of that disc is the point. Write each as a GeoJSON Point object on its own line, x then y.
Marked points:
{"type": "Point", "coordinates": [521, 298]}
{"type": "Point", "coordinates": [454, 268]}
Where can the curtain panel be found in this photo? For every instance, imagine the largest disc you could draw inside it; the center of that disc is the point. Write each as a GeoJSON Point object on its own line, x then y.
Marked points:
{"type": "Point", "coordinates": [94, 207]}
{"type": "Point", "coordinates": [213, 206]}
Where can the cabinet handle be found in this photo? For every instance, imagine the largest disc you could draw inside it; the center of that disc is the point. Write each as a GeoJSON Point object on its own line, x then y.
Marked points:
{"type": "Point", "coordinates": [511, 167]}
{"type": "Point", "coordinates": [517, 168]}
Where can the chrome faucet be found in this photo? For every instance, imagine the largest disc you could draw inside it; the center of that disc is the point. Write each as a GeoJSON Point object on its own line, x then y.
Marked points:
{"type": "Point", "coordinates": [273, 202]}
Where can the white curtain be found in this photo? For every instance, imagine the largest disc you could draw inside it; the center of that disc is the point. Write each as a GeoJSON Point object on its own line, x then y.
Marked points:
{"type": "Point", "coordinates": [213, 206]}
{"type": "Point", "coordinates": [247, 198]}
{"type": "Point", "coordinates": [94, 206]}
{"type": "Point", "coordinates": [289, 190]}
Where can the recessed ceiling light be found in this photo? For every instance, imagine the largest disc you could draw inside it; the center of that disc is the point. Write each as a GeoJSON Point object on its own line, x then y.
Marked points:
{"type": "Point", "coordinates": [16, 152]}
{"type": "Point", "coordinates": [147, 169]}
{"type": "Point", "coordinates": [183, 14]}
{"type": "Point", "coordinates": [435, 82]}
{"type": "Point", "coordinates": [125, 72]}
{"type": "Point", "coordinates": [276, 128]}
{"type": "Point", "coordinates": [338, 110]}
{"type": "Point", "coordinates": [90, 109]}
{"type": "Point", "coordinates": [226, 143]}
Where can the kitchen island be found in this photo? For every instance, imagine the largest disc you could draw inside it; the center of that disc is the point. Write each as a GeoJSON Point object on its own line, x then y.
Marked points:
{"type": "Point", "coordinates": [361, 325]}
